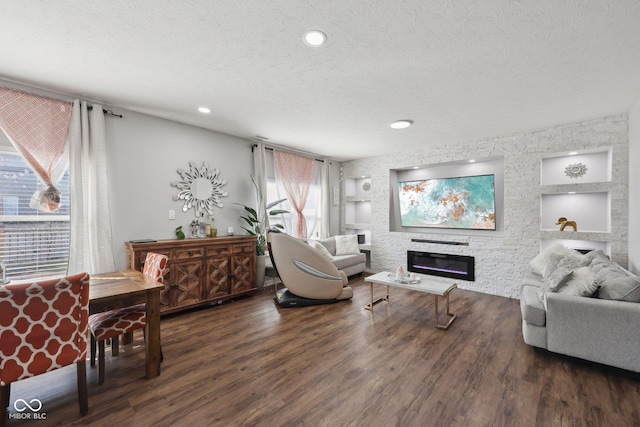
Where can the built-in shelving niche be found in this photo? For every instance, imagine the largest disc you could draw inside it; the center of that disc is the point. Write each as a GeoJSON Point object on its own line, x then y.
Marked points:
{"type": "Point", "coordinates": [357, 194]}
{"type": "Point", "coordinates": [585, 199]}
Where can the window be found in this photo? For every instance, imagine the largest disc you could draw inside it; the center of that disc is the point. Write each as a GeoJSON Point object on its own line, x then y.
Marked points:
{"type": "Point", "coordinates": [33, 244]}
{"type": "Point", "coordinates": [312, 209]}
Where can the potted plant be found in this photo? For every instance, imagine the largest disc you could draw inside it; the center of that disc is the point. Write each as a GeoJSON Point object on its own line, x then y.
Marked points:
{"type": "Point", "coordinates": [256, 225]}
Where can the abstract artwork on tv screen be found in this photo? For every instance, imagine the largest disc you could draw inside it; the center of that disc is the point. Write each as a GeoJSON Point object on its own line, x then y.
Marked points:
{"type": "Point", "coordinates": [462, 202]}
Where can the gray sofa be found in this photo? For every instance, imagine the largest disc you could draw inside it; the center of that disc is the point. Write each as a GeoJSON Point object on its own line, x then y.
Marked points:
{"type": "Point", "coordinates": [350, 264]}
{"type": "Point", "coordinates": [584, 306]}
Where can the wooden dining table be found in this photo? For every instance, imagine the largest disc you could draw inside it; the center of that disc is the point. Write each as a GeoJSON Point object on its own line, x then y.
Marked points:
{"type": "Point", "coordinates": [126, 288]}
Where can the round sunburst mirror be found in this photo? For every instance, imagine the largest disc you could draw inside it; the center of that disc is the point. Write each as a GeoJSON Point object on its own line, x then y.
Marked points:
{"type": "Point", "coordinates": [575, 170]}
{"type": "Point", "coordinates": [200, 188]}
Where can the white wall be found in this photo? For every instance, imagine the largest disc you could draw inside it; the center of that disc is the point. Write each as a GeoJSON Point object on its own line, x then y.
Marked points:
{"type": "Point", "coordinates": [634, 188]}
{"type": "Point", "coordinates": [144, 153]}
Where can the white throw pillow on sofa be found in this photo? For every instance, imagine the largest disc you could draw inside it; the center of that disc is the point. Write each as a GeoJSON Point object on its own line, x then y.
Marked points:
{"type": "Point", "coordinates": [581, 283]}
{"type": "Point", "coordinates": [347, 245]}
{"type": "Point", "coordinates": [557, 255]}
{"type": "Point", "coordinates": [320, 248]}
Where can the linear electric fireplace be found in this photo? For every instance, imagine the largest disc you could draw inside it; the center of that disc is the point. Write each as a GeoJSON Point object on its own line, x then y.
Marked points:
{"type": "Point", "coordinates": [445, 265]}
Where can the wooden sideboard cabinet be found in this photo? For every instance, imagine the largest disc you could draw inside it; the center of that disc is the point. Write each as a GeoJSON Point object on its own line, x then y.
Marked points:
{"type": "Point", "coordinates": [200, 271]}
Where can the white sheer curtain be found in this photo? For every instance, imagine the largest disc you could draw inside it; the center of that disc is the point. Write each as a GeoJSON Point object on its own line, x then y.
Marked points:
{"type": "Point", "coordinates": [325, 205]}
{"type": "Point", "coordinates": [260, 176]}
{"type": "Point", "coordinates": [90, 238]}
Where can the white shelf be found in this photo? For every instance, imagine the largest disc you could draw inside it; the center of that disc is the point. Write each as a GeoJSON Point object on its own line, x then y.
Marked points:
{"type": "Point", "coordinates": [354, 226]}
{"type": "Point", "coordinates": [355, 188]}
{"type": "Point", "coordinates": [585, 199]}
{"type": "Point", "coordinates": [590, 211]}
{"type": "Point", "coordinates": [579, 244]}
{"type": "Point", "coordinates": [357, 207]}
{"type": "Point", "coordinates": [355, 199]}
{"type": "Point", "coordinates": [597, 162]}
{"type": "Point", "coordinates": [574, 235]}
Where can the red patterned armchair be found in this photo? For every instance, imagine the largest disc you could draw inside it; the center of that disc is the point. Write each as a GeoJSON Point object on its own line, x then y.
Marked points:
{"type": "Point", "coordinates": [111, 324]}
{"type": "Point", "coordinates": [43, 327]}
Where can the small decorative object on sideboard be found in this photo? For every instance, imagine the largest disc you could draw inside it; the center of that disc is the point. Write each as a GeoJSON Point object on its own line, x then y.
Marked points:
{"type": "Point", "coordinates": [212, 231]}
{"type": "Point", "coordinates": [562, 222]}
{"type": "Point", "coordinates": [179, 233]}
{"type": "Point", "coordinates": [400, 273]}
{"type": "Point", "coordinates": [202, 227]}
{"type": "Point", "coordinates": [195, 227]}
{"type": "Point", "coordinates": [575, 170]}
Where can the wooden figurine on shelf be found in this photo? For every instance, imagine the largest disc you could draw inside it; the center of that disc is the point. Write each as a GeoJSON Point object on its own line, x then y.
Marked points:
{"type": "Point", "coordinates": [562, 222]}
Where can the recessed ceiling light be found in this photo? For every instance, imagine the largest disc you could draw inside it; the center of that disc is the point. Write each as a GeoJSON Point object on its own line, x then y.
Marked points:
{"type": "Point", "coordinates": [472, 161]}
{"type": "Point", "coordinates": [573, 153]}
{"type": "Point", "coordinates": [315, 38]}
{"type": "Point", "coordinates": [416, 167]}
{"type": "Point", "coordinates": [401, 124]}
{"type": "Point", "coordinates": [204, 110]}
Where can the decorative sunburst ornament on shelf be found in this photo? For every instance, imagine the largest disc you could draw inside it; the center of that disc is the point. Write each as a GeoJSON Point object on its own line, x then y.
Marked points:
{"type": "Point", "coordinates": [575, 170]}
{"type": "Point", "coordinates": [200, 188]}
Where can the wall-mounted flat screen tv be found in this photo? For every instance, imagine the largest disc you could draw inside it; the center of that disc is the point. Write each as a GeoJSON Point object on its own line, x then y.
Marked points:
{"type": "Point", "coordinates": [466, 202]}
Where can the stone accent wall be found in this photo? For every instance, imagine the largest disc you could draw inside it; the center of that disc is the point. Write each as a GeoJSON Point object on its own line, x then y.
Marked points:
{"type": "Point", "coordinates": [501, 259]}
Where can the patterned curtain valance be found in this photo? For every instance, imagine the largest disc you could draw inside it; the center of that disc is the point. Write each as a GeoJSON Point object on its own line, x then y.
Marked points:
{"type": "Point", "coordinates": [37, 127]}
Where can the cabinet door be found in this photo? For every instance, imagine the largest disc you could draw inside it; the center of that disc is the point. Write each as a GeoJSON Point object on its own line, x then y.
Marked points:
{"type": "Point", "coordinates": [185, 287]}
{"type": "Point", "coordinates": [165, 293]}
{"type": "Point", "coordinates": [217, 281]}
{"type": "Point", "coordinates": [242, 270]}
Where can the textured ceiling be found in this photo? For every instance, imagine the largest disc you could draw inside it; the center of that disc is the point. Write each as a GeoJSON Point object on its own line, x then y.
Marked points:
{"type": "Point", "coordinates": [462, 70]}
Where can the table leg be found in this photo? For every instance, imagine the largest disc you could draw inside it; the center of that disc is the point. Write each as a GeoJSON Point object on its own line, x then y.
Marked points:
{"type": "Point", "coordinates": [376, 301]}
{"type": "Point", "coordinates": [451, 316]}
{"type": "Point", "coordinates": [152, 330]}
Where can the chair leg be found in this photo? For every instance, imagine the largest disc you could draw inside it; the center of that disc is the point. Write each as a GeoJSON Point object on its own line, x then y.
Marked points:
{"type": "Point", "coordinates": [101, 362]}
{"type": "Point", "coordinates": [115, 346]}
{"type": "Point", "coordinates": [127, 338]}
{"type": "Point", "coordinates": [5, 392]}
{"type": "Point", "coordinates": [93, 351]}
{"type": "Point", "coordinates": [83, 395]}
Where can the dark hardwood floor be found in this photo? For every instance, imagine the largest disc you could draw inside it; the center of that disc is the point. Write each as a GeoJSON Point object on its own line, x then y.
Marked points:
{"type": "Point", "coordinates": [249, 362]}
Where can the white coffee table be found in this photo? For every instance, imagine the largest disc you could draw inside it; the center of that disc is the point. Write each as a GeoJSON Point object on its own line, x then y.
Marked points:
{"type": "Point", "coordinates": [428, 284]}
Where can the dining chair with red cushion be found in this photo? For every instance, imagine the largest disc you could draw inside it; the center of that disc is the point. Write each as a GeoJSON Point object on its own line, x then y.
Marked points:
{"type": "Point", "coordinates": [111, 324]}
{"type": "Point", "coordinates": [43, 327]}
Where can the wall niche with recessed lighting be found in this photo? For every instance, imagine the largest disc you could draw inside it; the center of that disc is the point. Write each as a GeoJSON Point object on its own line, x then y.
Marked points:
{"type": "Point", "coordinates": [357, 220]}
{"type": "Point", "coordinates": [454, 169]}
{"type": "Point", "coordinates": [576, 186]}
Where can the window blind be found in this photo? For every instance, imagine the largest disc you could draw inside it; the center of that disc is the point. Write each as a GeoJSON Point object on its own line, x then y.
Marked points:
{"type": "Point", "coordinates": [33, 244]}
